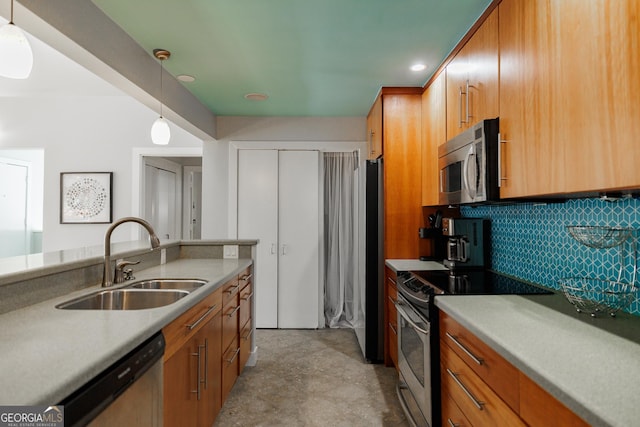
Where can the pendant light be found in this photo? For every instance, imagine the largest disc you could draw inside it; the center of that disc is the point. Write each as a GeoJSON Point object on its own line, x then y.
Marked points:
{"type": "Point", "coordinates": [16, 57]}
{"type": "Point", "coordinates": [160, 132]}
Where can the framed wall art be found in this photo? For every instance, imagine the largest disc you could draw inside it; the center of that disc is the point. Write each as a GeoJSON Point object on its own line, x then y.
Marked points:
{"type": "Point", "coordinates": [86, 197]}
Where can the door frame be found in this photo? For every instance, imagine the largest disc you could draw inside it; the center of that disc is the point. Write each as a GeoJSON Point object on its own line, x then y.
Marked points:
{"type": "Point", "coordinates": [137, 177]}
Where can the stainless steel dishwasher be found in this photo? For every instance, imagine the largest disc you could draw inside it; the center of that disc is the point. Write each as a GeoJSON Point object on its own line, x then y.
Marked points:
{"type": "Point", "coordinates": [128, 393]}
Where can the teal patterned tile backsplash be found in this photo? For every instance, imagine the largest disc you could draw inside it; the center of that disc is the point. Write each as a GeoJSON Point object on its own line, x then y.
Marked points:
{"type": "Point", "coordinates": [531, 241]}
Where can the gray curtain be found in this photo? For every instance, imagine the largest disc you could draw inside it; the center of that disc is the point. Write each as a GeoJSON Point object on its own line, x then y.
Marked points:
{"type": "Point", "coordinates": [340, 231]}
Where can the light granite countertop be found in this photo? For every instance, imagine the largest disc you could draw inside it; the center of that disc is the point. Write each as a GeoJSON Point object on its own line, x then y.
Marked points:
{"type": "Point", "coordinates": [47, 353]}
{"type": "Point", "coordinates": [591, 365]}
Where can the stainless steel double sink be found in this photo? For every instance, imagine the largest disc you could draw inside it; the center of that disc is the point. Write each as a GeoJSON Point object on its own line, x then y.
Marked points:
{"type": "Point", "coordinates": [139, 295]}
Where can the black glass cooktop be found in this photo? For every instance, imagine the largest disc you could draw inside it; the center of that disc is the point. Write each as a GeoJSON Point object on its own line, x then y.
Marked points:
{"type": "Point", "coordinates": [478, 282]}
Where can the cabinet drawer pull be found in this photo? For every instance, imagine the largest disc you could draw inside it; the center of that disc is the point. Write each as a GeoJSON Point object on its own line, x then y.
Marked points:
{"type": "Point", "coordinates": [206, 362]}
{"type": "Point", "coordinates": [500, 142]}
{"type": "Point", "coordinates": [235, 354]}
{"type": "Point", "coordinates": [460, 121]}
{"type": "Point", "coordinates": [198, 379]}
{"type": "Point", "coordinates": [392, 281]}
{"type": "Point", "coordinates": [392, 300]}
{"type": "Point", "coordinates": [231, 289]}
{"type": "Point", "coordinates": [197, 322]}
{"type": "Point", "coordinates": [246, 297]}
{"type": "Point", "coordinates": [468, 93]}
{"type": "Point", "coordinates": [475, 401]}
{"type": "Point", "coordinates": [451, 423]}
{"type": "Point", "coordinates": [246, 277]}
{"type": "Point", "coordinates": [248, 334]}
{"type": "Point", "coordinates": [234, 311]}
{"type": "Point", "coordinates": [395, 331]}
{"type": "Point", "coordinates": [475, 358]}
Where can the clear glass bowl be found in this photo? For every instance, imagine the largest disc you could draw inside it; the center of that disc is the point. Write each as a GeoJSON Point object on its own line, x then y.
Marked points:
{"type": "Point", "coordinates": [599, 237]}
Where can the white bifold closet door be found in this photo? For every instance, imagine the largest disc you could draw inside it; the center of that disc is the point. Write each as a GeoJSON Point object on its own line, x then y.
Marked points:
{"type": "Point", "coordinates": [278, 203]}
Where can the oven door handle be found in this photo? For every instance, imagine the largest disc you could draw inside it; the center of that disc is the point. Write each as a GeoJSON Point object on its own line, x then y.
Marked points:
{"type": "Point", "coordinates": [406, 317]}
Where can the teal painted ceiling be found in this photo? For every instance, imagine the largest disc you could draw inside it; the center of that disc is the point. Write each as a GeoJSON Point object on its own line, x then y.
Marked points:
{"type": "Point", "coordinates": [311, 57]}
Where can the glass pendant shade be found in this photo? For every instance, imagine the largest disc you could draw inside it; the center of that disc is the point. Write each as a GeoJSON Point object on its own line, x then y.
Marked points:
{"type": "Point", "coordinates": [16, 57]}
{"type": "Point", "coordinates": [160, 132]}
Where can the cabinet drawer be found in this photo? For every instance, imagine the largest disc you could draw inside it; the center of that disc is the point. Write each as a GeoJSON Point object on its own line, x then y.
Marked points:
{"type": "Point", "coordinates": [245, 345]}
{"type": "Point", "coordinates": [499, 374]}
{"type": "Point", "coordinates": [184, 327]}
{"type": "Point", "coordinates": [539, 408]}
{"type": "Point", "coordinates": [393, 343]}
{"type": "Point", "coordinates": [476, 400]}
{"type": "Point", "coordinates": [451, 414]}
{"type": "Point", "coordinates": [391, 299]}
{"type": "Point", "coordinates": [230, 364]}
{"type": "Point", "coordinates": [230, 290]}
{"type": "Point", "coordinates": [246, 297]}
{"type": "Point", "coordinates": [230, 322]}
{"type": "Point", "coordinates": [245, 278]}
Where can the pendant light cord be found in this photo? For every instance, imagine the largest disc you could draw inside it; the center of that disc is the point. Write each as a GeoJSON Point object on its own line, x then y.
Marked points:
{"type": "Point", "coordinates": [161, 87]}
{"type": "Point", "coordinates": [11, 20]}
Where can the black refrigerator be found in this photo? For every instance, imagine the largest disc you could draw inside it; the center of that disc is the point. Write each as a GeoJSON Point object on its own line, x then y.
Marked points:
{"type": "Point", "coordinates": [373, 345]}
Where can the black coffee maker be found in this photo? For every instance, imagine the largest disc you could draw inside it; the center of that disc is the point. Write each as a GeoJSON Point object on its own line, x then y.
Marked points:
{"type": "Point", "coordinates": [467, 242]}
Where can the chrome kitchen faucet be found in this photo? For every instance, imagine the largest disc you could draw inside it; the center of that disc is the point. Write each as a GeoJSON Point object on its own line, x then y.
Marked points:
{"type": "Point", "coordinates": [155, 242]}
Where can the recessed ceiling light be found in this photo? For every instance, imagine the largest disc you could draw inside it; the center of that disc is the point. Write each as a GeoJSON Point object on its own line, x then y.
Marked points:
{"type": "Point", "coordinates": [186, 78]}
{"type": "Point", "coordinates": [418, 67]}
{"type": "Point", "coordinates": [256, 96]}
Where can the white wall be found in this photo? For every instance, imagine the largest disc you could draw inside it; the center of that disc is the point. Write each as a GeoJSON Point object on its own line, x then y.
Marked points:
{"type": "Point", "coordinates": [310, 132]}
{"type": "Point", "coordinates": [82, 134]}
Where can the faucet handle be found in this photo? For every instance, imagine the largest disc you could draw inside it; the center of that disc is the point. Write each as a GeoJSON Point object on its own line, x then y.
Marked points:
{"type": "Point", "coordinates": [123, 274]}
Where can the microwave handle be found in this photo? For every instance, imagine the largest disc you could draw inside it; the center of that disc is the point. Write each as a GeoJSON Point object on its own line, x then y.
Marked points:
{"type": "Point", "coordinates": [473, 192]}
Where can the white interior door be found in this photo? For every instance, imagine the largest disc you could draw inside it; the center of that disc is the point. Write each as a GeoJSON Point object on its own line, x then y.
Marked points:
{"type": "Point", "coordinates": [13, 209]}
{"type": "Point", "coordinates": [258, 219]}
{"type": "Point", "coordinates": [298, 225]}
{"type": "Point", "coordinates": [160, 201]}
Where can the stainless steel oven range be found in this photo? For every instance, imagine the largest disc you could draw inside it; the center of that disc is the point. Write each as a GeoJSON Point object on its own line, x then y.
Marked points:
{"type": "Point", "coordinates": [415, 364]}
{"type": "Point", "coordinates": [418, 339]}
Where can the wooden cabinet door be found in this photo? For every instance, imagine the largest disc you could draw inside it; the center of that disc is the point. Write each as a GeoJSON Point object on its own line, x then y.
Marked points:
{"type": "Point", "coordinates": [434, 123]}
{"type": "Point", "coordinates": [530, 95]}
{"type": "Point", "coordinates": [457, 75]}
{"type": "Point", "coordinates": [374, 130]}
{"type": "Point", "coordinates": [472, 79]}
{"type": "Point", "coordinates": [596, 65]}
{"type": "Point", "coordinates": [391, 319]}
{"type": "Point", "coordinates": [180, 382]}
{"type": "Point", "coordinates": [402, 175]}
{"type": "Point", "coordinates": [482, 52]}
{"type": "Point", "coordinates": [210, 336]}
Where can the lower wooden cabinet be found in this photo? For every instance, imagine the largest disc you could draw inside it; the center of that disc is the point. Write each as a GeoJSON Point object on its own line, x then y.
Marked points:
{"type": "Point", "coordinates": [452, 415]}
{"type": "Point", "coordinates": [192, 390]}
{"type": "Point", "coordinates": [480, 388]}
{"type": "Point", "coordinates": [206, 350]}
{"type": "Point", "coordinates": [390, 319]}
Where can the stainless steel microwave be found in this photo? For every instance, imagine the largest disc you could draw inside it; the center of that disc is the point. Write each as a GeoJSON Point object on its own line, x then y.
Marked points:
{"type": "Point", "coordinates": [469, 165]}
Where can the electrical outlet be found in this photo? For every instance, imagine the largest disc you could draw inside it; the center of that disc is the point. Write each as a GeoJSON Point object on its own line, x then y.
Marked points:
{"type": "Point", "coordinates": [163, 256]}
{"type": "Point", "coordinates": [230, 251]}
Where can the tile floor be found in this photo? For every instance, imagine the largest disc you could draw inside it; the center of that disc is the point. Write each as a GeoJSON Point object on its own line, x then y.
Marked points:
{"type": "Point", "coordinates": [312, 378]}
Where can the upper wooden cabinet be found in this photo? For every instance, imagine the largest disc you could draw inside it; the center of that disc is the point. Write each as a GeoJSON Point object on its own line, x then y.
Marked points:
{"type": "Point", "coordinates": [567, 107]}
{"type": "Point", "coordinates": [374, 130]}
{"type": "Point", "coordinates": [472, 79]}
{"type": "Point", "coordinates": [532, 158]}
{"type": "Point", "coordinates": [402, 141]}
{"type": "Point", "coordinates": [434, 130]}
